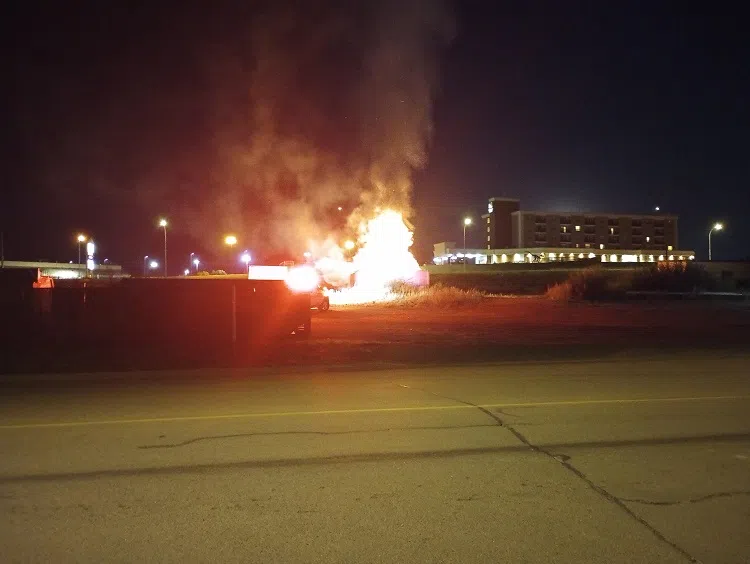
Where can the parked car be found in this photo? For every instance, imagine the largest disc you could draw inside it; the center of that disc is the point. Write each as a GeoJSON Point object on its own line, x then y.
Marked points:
{"type": "Point", "coordinates": [319, 301]}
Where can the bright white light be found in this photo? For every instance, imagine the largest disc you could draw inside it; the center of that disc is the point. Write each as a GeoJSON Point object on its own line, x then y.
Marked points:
{"type": "Point", "coordinates": [153, 264]}
{"type": "Point", "coordinates": [90, 264]}
{"type": "Point", "coordinates": [592, 255]}
{"type": "Point", "coordinates": [187, 272]}
{"type": "Point", "coordinates": [230, 240]}
{"type": "Point", "coordinates": [349, 245]}
{"type": "Point", "coordinates": [246, 258]}
{"type": "Point", "coordinates": [467, 221]}
{"type": "Point", "coordinates": [692, 257]}
{"type": "Point", "coordinates": [82, 238]}
{"type": "Point", "coordinates": [90, 248]}
{"type": "Point", "coordinates": [613, 258]}
{"type": "Point", "coordinates": [629, 258]}
{"type": "Point", "coordinates": [196, 262]}
{"type": "Point", "coordinates": [65, 274]}
{"type": "Point", "coordinates": [307, 254]}
{"type": "Point", "coordinates": [302, 279]}
{"type": "Point", "coordinates": [718, 227]}
{"type": "Point", "coordinates": [162, 223]}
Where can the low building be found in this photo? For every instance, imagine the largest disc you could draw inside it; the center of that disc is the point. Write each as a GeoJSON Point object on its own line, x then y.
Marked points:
{"type": "Point", "coordinates": [64, 270]}
{"type": "Point", "coordinates": [515, 235]}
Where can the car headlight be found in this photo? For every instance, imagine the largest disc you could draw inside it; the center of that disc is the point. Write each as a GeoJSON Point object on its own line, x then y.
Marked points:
{"type": "Point", "coordinates": [302, 279]}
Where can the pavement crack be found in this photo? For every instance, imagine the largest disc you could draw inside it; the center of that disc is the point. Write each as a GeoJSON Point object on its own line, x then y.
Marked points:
{"type": "Point", "coordinates": [564, 461]}
{"type": "Point", "coordinates": [303, 433]}
{"type": "Point", "coordinates": [700, 499]}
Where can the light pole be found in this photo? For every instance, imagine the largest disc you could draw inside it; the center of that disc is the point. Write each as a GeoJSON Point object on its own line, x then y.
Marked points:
{"type": "Point", "coordinates": [196, 262]}
{"type": "Point", "coordinates": [163, 224]}
{"type": "Point", "coordinates": [467, 222]}
{"type": "Point", "coordinates": [81, 240]}
{"type": "Point", "coordinates": [716, 227]}
{"type": "Point", "coordinates": [145, 263]}
{"type": "Point", "coordinates": [190, 262]}
{"type": "Point", "coordinates": [246, 258]}
{"type": "Point", "coordinates": [230, 241]}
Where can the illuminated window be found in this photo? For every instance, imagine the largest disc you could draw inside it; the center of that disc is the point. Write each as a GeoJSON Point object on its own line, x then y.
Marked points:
{"type": "Point", "coordinates": [611, 230]}
{"type": "Point", "coordinates": [488, 238]}
{"type": "Point", "coordinates": [578, 227]}
{"type": "Point", "coordinates": [613, 258]}
{"type": "Point", "coordinates": [488, 229]}
{"type": "Point", "coordinates": [648, 239]}
{"type": "Point", "coordinates": [564, 229]}
{"type": "Point", "coordinates": [669, 248]}
{"type": "Point", "coordinates": [601, 245]}
{"type": "Point", "coordinates": [488, 221]}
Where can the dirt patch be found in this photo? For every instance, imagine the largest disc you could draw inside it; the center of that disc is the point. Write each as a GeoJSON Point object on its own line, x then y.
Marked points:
{"type": "Point", "coordinates": [516, 328]}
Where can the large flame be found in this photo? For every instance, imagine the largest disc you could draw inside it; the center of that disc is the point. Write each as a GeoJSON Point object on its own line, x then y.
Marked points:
{"type": "Point", "coordinates": [383, 258]}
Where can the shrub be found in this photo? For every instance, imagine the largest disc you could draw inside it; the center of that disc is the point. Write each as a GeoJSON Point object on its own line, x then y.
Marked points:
{"type": "Point", "coordinates": [202, 273]}
{"type": "Point", "coordinates": [673, 277]}
{"type": "Point", "coordinates": [218, 273]}
{"type": "Point", "coordinates": [592, 283]}
{"type": "Point", "coordinates": [436, 295]}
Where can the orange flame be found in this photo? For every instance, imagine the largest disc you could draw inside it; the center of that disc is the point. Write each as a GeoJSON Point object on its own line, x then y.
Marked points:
{"type": "Point", "coordinates": [383, 258]}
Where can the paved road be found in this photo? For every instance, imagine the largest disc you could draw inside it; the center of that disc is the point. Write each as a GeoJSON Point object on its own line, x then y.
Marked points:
{"type": "Point", "coordinates": [627, 460]}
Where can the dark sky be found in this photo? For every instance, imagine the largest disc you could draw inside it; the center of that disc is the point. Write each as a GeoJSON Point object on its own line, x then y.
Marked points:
{"type": "Point", "coordinates": [114, 113]}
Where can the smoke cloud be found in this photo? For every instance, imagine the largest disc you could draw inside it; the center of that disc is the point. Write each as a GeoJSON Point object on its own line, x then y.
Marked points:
{"type": "Point", "coordinates": [271, 122]}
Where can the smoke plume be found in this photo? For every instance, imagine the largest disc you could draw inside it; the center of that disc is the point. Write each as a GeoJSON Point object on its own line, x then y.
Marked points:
{"type": "Point", "coordinates": [264, 120]}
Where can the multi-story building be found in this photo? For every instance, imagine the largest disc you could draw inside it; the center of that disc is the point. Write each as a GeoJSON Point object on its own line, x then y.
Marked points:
{"type": "Point", "coordinates": [550, 236]}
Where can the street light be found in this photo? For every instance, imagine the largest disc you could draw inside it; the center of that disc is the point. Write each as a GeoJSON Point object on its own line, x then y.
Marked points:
{"type": "Point", "coordinates": [153, 265]}
{"type": "Point", "coordinates": [90, 250]}
{"type": "Point", "coordinates": [81, 239]}
{"type": "Point", "coordinates": [467, 222]}
{"type": "Point", "coordinates": [246, 258]}
{"type": "Point", "coordinates": [196, 262]}
{"type": "Point", "coordinates": [716, 227]}
{"type": "Point", "coordinates": [349, 245]}
{"type": "Point", "coordinates": [230, 240]}
{"type": "Point", "coordinates": [163, 224]}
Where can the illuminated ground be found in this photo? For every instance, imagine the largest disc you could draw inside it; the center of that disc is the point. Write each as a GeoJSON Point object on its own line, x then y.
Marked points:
{"type": "Point", "coordinates": [605, 461]}
{"type": "Point", "coordinates": [517, 328]}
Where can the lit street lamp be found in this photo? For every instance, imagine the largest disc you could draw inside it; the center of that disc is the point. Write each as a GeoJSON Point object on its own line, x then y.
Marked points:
{"type": "Point", "coordinates": [163, 224]}
{"type": "Point", "coordinates": [153, 265]}
{"type": "Point", "coordinates": [716, 227]}
{"type": "Point", "coordinates": [349, 245]}
{"type": "Point", "coordinates": [230, 240]}
{"type": "Point", "coordinates": [196, 262]}
{"type": "Point", "coordinates": [246, 258]}
{"type": "Point", "coordinates": [81, 240]}
{"type": "Point", "coordinates": [467, 222]}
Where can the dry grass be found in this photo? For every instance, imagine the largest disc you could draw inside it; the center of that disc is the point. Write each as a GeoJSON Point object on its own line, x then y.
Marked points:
{"type": "Point", "coordinates": [434, 296]}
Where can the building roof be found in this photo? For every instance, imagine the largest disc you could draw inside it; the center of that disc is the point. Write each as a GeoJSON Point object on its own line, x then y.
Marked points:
{"type": "Point", "coordinates": [596, 214]}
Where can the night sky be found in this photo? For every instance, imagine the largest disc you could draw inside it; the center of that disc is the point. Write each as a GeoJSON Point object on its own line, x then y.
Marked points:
{"type": "Point", "coordinates": [118, 113]}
